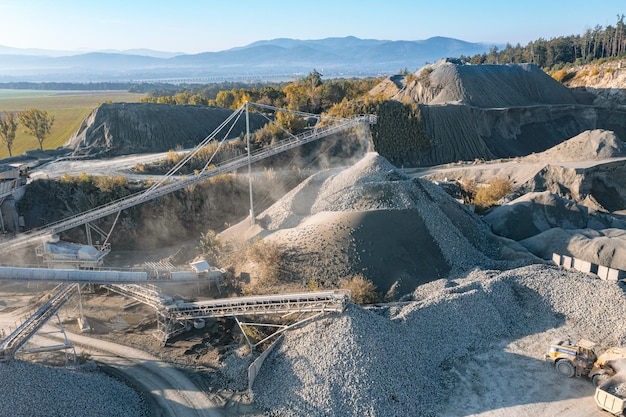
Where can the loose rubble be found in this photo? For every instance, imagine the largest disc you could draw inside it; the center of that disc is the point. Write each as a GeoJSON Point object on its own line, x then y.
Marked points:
{"type": "Point", "coordinates": [33, 390]}
{"type": "Point", "coordinates": [397, 360]}
{"type": "Point", "coordinates": [618, 390]}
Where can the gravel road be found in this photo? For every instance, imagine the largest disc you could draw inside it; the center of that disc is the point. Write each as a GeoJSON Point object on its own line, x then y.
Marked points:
{"type": "Point", "coordinates": [174, 393]}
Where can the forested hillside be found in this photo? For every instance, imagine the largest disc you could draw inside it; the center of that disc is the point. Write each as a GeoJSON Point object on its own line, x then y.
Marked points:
{"type": "Point", "coordinates": [596, 43]}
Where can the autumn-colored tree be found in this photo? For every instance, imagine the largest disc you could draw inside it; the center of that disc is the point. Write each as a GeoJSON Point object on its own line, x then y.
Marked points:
{"type": "Point", "coordinates": [38, 123]}
{"type": "Point", "coordinates": [8, 126]}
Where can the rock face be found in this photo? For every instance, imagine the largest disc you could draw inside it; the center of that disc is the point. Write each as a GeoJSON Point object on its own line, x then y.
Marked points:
{"type": "Point", "coordinates": [124, 128]}
{"type": "Point", "coordinates": [598, 187]}
{"type": "Point", "coordinates": [495, 111]}
{"type": "Point", "coordinates": [606, 81]}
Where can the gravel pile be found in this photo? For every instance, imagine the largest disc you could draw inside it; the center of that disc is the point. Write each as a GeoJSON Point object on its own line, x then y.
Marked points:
{"type": "Point", "coordinates": [396, 360]}
{"type": "Point", "coordinates": [33, 390]}
{"type": "Point", "coordinates": [371, 219]}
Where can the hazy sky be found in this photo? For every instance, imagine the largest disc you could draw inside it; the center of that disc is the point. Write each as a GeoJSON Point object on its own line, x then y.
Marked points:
{"type": "Point", "coordinates": [193, 26]}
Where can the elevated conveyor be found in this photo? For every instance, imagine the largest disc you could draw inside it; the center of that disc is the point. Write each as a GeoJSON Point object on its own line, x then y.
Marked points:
{"type": "Point", "coordinates": [26, 330]}
{"type": "Point", "coordinates": [177, 184]}
{"type": "Point", "coordinates": [175, 318]}
{"type": "Point", "coordinates": [83, 276]}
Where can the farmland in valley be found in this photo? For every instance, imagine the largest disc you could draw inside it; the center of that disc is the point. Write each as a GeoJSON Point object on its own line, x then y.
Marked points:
{"type": "Point", "coordinates": [69, 108]}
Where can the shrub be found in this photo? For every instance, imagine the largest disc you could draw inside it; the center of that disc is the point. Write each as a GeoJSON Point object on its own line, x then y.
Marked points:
{"type": "Point", "coordinates": [269, 257]}
{"type": "Point", "coordinates": [363, 290]}
{"type": "Point", "coordinates": [410, 78]}
{"type": "Point", "coordinates": [560, 75]}
{"type": "Point", "coordinates": [210, 246]}
{"type": "Point", "coordinates": [493, 191]}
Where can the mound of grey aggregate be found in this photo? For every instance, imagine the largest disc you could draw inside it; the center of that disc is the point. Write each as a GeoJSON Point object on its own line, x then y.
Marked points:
{"type": "Point", "coordinates": [32, 390]}
{"type": "Point", "coordinates": [394, 361]}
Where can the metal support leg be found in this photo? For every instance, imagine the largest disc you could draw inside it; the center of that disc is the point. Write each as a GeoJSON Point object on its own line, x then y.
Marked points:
{"type": "Point", "coordinates": [250, 345]}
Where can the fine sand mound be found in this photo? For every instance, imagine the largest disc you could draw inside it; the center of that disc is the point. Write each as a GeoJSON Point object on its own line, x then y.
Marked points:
{"type": "Point", "coordinates": [486, 86]}
{"type": "Point", "coordinates": [605, 247]}
{"type": "Point", "coordinates": [534, 213]}
{"type": "Point", "coordinates": [587, 146]}
{"type": "Point", "coordinates": [443, 353]}
{"type": "Point", "coordinates": [370, 219]}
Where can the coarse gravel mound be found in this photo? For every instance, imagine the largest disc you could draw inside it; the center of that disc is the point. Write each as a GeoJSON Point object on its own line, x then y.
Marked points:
{"type": "Point", "coordinates": [127, 128]}
{"type": "Point", "coordinates": [403, 359]}
{"type": "Point", "coordinates": [371, 219]}
{"type": "Point", "coordinates": [33, 390]}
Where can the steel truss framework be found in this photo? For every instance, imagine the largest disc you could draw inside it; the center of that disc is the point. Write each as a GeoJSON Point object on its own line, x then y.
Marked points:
{"type": "Point", "coordinates": [14, 341]}
{"type": "Point", "coordinates": [170, 183]}
{"type": "Point", "coordinates": [175, 318]}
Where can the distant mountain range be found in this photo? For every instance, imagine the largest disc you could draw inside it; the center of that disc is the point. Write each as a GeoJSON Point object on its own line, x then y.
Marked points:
{"type": "Point", "coordinates": [269, 59]}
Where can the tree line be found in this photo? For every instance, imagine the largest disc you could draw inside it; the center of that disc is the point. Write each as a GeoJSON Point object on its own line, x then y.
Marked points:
{"type": "Point", "coordinates": [307, 94]}
{"type": "Point", "coordinates": [596, 43]}
{"type": "Point", "coordinates": [37, 122]}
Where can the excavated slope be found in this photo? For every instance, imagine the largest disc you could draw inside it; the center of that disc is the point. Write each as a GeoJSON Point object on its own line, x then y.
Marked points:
{"type": "Point", "coordinates": [564, 210]}
{"type": "Point", "coordinates": [494, 111]}
{"type": "Point", "coordinates": [537, 212]}
{"type": "Point", "coordinates": [605, 80]}
{"type": "Point", "coordinates": [125, 128]}
{"type": "Point", "coordinates": [598, 187]}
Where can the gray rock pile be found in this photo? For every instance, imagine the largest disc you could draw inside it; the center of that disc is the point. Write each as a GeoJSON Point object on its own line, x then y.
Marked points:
{"type": "Point", "coordinates": [371, 219]}
{"type": "Point", "coordinates": [32, 390]}
{"type": "Point", "coordinates": [123, 128]}
{"type": "Point", "coordinates": [396, 360]}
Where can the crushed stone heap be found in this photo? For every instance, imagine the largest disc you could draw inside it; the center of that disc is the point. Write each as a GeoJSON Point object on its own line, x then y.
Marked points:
{"type": "Point", "coordinates": [36, 390]}
{"type": "Point", "coordinates": [372, 220]}
{"type": "Point", "coordinates": [400, 360]}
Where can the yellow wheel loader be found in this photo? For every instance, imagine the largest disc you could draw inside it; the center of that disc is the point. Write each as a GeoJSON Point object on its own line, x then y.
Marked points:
{"type": "Point", "coordinates": [578, 359]}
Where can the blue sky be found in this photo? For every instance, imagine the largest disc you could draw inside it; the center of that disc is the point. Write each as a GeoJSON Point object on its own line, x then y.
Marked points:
{"type": "Point", "coordinates": [194, 26]}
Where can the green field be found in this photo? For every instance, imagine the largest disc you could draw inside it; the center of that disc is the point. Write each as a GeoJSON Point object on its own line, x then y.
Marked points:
{"type": "Point", "coordinates": [69, 108]}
